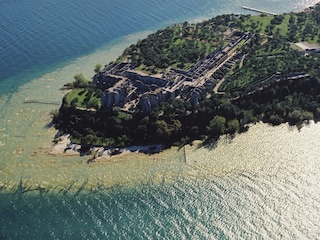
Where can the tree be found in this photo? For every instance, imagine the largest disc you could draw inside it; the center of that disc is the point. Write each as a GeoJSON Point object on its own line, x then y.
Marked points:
{"type": "Point", "coordinates": [295, 117]}
{"type": "Point", "coordinates": [275, 120]}
{"type": "Point", "coordinates": [97, 68]}
{"type": "Point", "coordinates": [292, 19]}
{"type": "Point", "coordinates": [233, 126]}
{"type": "Point", "coordinates": [80, 81]}
{"type": "Point", "coordinates": [277, 19]}
{"type": "Point", "coordinates": [217, 126]}
{"type": "Point", "coordinates": [162, 131]}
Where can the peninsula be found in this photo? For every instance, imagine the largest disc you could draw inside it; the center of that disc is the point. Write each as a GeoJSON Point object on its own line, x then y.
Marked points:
{"type": "Point", "coordinates": [198, 81]}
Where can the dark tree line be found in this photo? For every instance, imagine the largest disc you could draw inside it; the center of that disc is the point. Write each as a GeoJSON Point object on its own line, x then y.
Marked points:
{"type": "Point", "coordinates": [177, 122]}
{"type": "Point", "coordinates": [259, 90]}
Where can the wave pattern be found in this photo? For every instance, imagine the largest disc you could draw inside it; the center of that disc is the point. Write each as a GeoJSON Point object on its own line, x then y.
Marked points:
{"type": "Point", "coordinates": [243, 195]}
{"type": "Point", "coordinates": [36, 36]}
{"type": "Point", "coordinates": [244, 206]}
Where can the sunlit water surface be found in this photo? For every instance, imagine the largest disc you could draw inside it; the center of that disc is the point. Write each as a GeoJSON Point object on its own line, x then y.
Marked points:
{"type": "Point", "coordinates": [261, 184]}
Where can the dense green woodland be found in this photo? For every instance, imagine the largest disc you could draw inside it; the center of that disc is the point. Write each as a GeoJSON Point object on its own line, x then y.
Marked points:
{"type": "Point", "coordinates": [251, 92]}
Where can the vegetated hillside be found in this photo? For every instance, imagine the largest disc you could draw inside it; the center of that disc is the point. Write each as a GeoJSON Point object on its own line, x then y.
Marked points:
{"type": "Point", "coordinates": [180, 45]}
{"type": "Point", "coordinates": [273, 82]}
{"type": "Point", "coordinates": [274, 50]}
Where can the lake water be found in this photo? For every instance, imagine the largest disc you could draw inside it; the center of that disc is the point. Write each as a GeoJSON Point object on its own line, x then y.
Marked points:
{"type": "Point", "coordinates": [262, 184]}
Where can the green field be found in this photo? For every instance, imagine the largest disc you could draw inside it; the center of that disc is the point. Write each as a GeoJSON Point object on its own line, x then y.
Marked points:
{"type": "Point", "coordinates": [83, 98]}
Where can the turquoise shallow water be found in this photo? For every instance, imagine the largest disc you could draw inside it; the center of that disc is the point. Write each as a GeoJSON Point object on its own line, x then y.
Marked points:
{"type": "Point", "coordinates": [231, 192]}
{"type": "Point", "coordinates": [38, 36]}
{"type": "Point", "coordinates": [260, 185]}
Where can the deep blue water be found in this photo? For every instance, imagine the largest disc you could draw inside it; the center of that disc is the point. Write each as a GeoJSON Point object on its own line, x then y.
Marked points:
{"type": "Point", "coordinates": [235, 206]}
{"type": "Point", "coordinates": [37, 36]}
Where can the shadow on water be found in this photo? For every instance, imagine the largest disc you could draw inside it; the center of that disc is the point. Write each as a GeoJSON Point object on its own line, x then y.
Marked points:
{"type": "Point", "coordinates": [66, 190]}
{"type": "Point", "coordinates": [8, 96]}
{"type": "Point", "coordinates": [50, 125]}
{"type": "Point", "coordinates": [79, 186]}
{"type": "Point", "coordinates": [82, 187]}
{"type": "Point", "coordinates": [209, 143]}
{"type": "Point", "coordinates": [23, 188]}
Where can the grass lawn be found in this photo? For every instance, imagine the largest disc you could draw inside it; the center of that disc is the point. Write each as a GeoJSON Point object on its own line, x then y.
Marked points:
{"type": "Point", "coordinates": [83, 98]}
{"type": "Point", "coordinates": [261, 22]}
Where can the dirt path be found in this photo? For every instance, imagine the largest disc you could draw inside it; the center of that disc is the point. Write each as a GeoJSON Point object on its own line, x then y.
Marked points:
{"type": "Point", "coordinates": [216, 88]}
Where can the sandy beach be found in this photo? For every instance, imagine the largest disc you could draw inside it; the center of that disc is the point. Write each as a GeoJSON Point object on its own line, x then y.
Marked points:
{"type": "Point", "coordinates": [64, 148]}
{"type": "Point", "coordinates": [26, 145]}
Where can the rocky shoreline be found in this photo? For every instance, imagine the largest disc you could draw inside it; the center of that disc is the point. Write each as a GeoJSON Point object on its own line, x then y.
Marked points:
{"type": "Point", "coordinates": [308, 9]}
{"type": "Point", "coordinates": [64, 147]}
